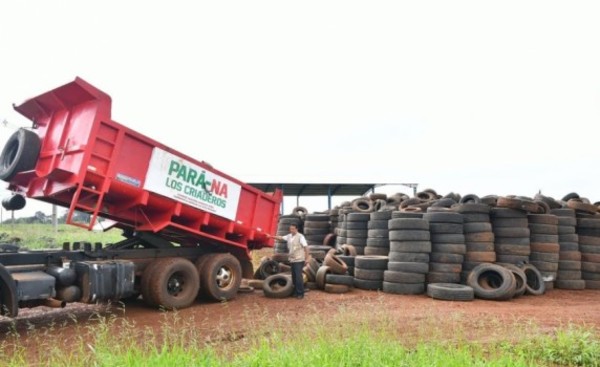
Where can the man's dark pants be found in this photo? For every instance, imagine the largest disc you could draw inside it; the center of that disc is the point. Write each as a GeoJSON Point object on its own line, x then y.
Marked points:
{"type": "Point", "coordinates": [297, 278]}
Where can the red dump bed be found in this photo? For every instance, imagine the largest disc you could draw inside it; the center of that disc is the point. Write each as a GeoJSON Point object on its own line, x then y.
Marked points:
{"type": "Point", "coordinates": [90, 163]}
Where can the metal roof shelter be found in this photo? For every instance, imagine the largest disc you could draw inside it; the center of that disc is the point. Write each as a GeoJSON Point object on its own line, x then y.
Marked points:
{"type": "Point", "coordinates": [324, 189]}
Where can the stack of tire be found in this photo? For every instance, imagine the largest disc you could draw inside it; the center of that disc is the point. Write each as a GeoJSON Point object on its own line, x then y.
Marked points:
{"type": "Point", "coordinates": [341, 230]}
{"type": "Point", "coordinates": [544, 246]}
{"type": "Point", "coordinates": [408, 264]}
{"type": "Point", "coordinates": [511, 235]}
{"type": "Point", "coordinates": [569, 259]}
{"type": "Point", "coordinates": [316, 227]}
{"type": "Point", "coordinates": [334, 219]}
{"type": "Point", "coordinates": [378, 242]}
{"type": "Point", "coordinates": [447, 246]}
{"type": "Point", "coordinates": [333, 276]}
{"type": "Point", "coordinates": [479, 237]}
{"type": "Point", "coordinates": [357, 231]}
{"type": "Point", "coordinates": [283, 228]}
{"type": "Point", "coordinates": [368, 271]}
{"type": "Point", "coordinates": [588, 229]}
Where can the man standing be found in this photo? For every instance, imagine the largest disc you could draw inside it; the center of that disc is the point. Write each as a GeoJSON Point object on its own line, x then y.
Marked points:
{"type": "Point", "coordinates": [298, 257]}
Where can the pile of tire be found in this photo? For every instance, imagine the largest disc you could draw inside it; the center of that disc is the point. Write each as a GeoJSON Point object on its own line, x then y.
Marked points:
{"type": "Point", "coordinates": [479, 237]}
{"type": "Point", "coordinates": [334, 219]}
{"type": "Point", "coordinates": [378, 241]}
{"type": "Point", "coordinates": [332, 276]}
{"type": "Point", "coordinates": [408, 264]}
{"type": "Point", "coordinates": [368, 272]}
{"type": "Point", "coordinates": [588, 229]}
{"type": "Point", "coordinates": [283, 228]}
{"type": "Point", "coordinates": [357, 230]}
{"type": "Point", "coordinates": [544, 246]}
{"type": "Point", "coordinates": [502, 282]}
{"type": "Point", "coordinates": [447, 246]}
{"type": "Point", "coordinates": [316, 227]}
{"type": "Point", "coordinates": [512, 240]}
{"type": "Point", "coordinates": [569, 260]}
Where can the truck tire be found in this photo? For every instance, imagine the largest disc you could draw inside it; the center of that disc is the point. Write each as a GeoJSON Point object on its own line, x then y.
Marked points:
{"type": "Point", "coordinates": [174, 283]}
{"type": "Point", "coordinates": [145, 283]}
{"type": "Point", "coordinates": [221, 277]}
{"type": "Point", "coordinates": [19, 154]}
{"type": "Point", "coordinates": [278, 286]}
{"type": "Point", "coordinates": [492, 282]}
{"type": "Point", "coordinates": [450, 292]}
{"type": "Point", "coordinates": [9, 305]}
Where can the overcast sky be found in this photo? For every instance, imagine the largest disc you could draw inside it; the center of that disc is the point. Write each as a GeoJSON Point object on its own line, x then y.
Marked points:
{"type": "Point", "coordinates": [465, 96]}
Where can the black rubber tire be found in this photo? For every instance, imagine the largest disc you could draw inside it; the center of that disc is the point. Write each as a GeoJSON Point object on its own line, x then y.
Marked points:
{"type": "Point", "coordinates": [569, 196]}
{"type": "Point", "coordinates": [569, 265]}
{"type": "Point", "coordinates": [408, 224]}
{"type": "Point", "coordinates": [376, 251]}
{"type": "Point", "coordinates": [516, 250]}
{"type": "Point", "coordinates": [402, 288]}
{"type": "Point", "coordinates": [510, 223]}
{"type": "Point", "coordinates": [565, 230]}
{"type": "Point", "coordinates": [445, 228]}
{"type": "Point", "coordinates": [402, 277]}
{"type": "Point", "coordinates": [336, 288]}
{"type": "Point", "coordinates": [470, 199]}
{"type": "Point", "coordinates": [357, 226]}
{"type": "Point", "coordinates": [347, 280]}
{"type": "Point", "coordinates": [545, 266]}
{"type": "Point", "coordinates": [480, 237]}
{"type": "Point", "coordinates": [477, 227]}
{"type": "Point", "coordinates": [574, 285]}
{"type": "Point", "coordinates": [299, 211]}
{"type": "Point", "coordinates": [563, 212]}
{"type": "Point", "coordinates": [548, 219]}
{"type": "Point", "coordinates": [356, 242]}
{"type": "Point", "coordinates": [480, 247]}
{"type": "Point", "coordinates": [444, 217]}
{"type": "Point", "coordinates": [567, 221]}
{"type": "Point", "coordinates": [444, 248]}
{"type": "Point", "coordinates": [381, 216]}
{"type": "Point", "coordinates": [147, 294]}
{"type": "Point", "coordinates": [507, 213]}
{"type": "Point", "coordinates": [409, 257]}
{"type": "Point", "coordinates": [544, 256]}
{"type": "Point", "coordinates": [371, 262]}
{"type": "Point", "coordinates": [368, 274]}
{"type": "Point", "coordinates": [358, 217]}
{"type": "Point", "coordinates": [336, 265]}
{"type": "Point", "coordinates": [410, 246]}
{"type": "Point", "coordinates": [476, 218]}
{"type": "Point", "coordinates": [569, 246]}
{"type": "Point", "coordinates": [372, 285]}
{"type": "Point", "coordinates": [444, 268]}
{"type": "Point", "coordinates": [520, 279]}
{"type": "Point", "coordinates": [267, 268]}
{"type": "Point", "coordinates": [186, 286]}
{"type": "Point", "coordinates": [412, 235]}
{"type": "Point", "coordinates": [590, 267]}
{"type": "Point", "coordinates": [377, 224]}
{"type": "Point", "coordinates": [511, 232]}
{"type": "Point", "coordinates": [482, 257]}
{"type": "Point", "coordinates": [378, 233]}
{"type": "Point", "coordinates": [221, 277]}
{"type": "Point", "coordinates": [492, 282]}
{"type": "Point", "coordinates": [446, 258]}
{"type": "Point", "coordinates": [409, 267]}
{"type": "Point", "coordinates": [568, 275]}
{"type": "Point", "coordinates": [378, 242]}
{"type": "Point", "coordinates": [543, 229]}
{"type": "Point", "coordinates": [320, 224]}
{"type": "Point", "coordinates": [443, 203]}
{"type": "Point", "coordinates": [447, 238]}
{"type": "Point", "coordinates": [348, 250]}
{"type": "Point", "coordinates": [20, 154]}
{"type": "Point", "coordinates": [535, 281]}
{"type": "Point", "coordinates": [450, 292]}
{"type": "Point", "coordinates": [589, 241]}
{"type": "Point", "coordinates": [363, 205]}
{"type": "Point", "coordinates": [357, 233]}
{"type": "Point", "coordinates": [523, 241]}
{"type": "Point", "coordinates": [472, 209]}
{"type": "Point", "coordinates": [406, 215]}
{"type": "Point", "coordinates": [592, 284]}
{"type": "Point", "coordinates": [278, 286]}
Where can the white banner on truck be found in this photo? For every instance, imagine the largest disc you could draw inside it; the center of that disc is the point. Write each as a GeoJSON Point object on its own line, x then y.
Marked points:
{"type": "Point", "coordinates": [178, 179]}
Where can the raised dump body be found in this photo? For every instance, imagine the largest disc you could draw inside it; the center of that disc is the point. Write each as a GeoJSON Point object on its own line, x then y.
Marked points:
{"type": "Point", "coordinates": [87, 162]}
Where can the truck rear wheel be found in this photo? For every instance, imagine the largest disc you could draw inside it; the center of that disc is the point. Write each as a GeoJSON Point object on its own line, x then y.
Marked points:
{"type": "Point", "coordinates": [174, 283]}
{"type": "Point", "coordinates": [221, 277]}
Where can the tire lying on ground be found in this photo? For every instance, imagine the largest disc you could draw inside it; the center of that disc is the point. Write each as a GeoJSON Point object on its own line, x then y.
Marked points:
{"type": "Point", "coordinates": [492, 282]}
{"type": "Point", "coordinates": [535, 281]}
{"type": "Point", "coordinates": [520, 279]}
{"type": "Point", "coordinates": [278, 286]}
{"type": "Point", "coordinates": [450, 292]}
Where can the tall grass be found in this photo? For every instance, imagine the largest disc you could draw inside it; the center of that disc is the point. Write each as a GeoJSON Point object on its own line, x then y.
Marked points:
{"type": "Point", "coordinates": [43, 236]}
{"type": "Point", "coordinates": [342, 340]}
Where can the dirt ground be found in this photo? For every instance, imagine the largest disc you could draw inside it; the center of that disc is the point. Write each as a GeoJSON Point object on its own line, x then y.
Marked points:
{"type": "Point", "coordinates": [556, 308]}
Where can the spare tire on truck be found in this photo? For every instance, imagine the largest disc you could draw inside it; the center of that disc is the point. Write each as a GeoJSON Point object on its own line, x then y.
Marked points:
{"type": "Point", "coordinates": [19, 154]}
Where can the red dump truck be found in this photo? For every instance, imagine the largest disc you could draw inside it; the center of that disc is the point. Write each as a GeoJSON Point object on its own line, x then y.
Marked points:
{"type": "Point", "coordinates": [188, 228]}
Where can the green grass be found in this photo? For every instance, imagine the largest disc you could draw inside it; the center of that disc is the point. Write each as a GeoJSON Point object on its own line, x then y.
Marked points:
{"type": "Point", "coordinates": [42, 236]}
{"type": "Point", "coordinates": [313, 342]}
